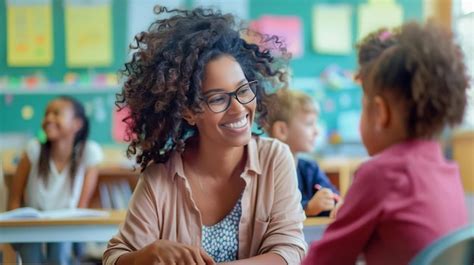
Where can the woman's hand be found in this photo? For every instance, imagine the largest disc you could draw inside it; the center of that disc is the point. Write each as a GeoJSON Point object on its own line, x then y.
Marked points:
{"type": "Point", "coordinates": [169, 252]}
{"type": "Point", "coordinates": [323, 200]}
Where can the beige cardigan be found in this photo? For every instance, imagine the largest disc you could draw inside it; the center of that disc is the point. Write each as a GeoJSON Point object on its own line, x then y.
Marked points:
{"type": "Point", "coordinates": [272, 217]}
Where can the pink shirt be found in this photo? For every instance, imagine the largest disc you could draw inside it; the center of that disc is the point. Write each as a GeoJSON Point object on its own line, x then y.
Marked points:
{"type": "Point", "coordinates": [272, 217]}
{"type": "Point", "coordinates": [400, 201]}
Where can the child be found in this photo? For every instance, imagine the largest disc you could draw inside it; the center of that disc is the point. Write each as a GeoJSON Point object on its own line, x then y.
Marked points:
{"type": "Point", "coordinates": [210, 192]}
{"type": "Point", "coordinates": [292, 119]}
{"type": "Point", "coordinates": [414, 84]}
{"type": "Point", "coordinates": [60, 173]}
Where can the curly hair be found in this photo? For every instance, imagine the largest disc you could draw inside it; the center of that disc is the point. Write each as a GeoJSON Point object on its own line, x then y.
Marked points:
{"type": "Point", "coordinates": [422, 66]}
{"type": "Point", "coordinates": [163, 77]}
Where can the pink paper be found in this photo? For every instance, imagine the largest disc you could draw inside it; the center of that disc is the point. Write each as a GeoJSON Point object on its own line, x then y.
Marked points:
{"type": "Point", "coordinates": [119, 128]}
{"type": "Point", "coordinates": [288, 28]}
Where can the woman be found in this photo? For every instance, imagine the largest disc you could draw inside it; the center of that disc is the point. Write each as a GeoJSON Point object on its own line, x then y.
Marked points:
{"type": "Point", "coordinates": [210, 191]}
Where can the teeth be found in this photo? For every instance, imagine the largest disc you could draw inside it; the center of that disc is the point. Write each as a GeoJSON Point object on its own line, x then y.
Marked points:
{"type": "Point", "coordinates": [238, 124]}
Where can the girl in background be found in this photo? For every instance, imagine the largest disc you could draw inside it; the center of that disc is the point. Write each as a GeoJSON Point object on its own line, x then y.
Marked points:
{"type": "Point", "coordinates": [60, 173]}
{"type": "Point", "coordinates": [414, 83]}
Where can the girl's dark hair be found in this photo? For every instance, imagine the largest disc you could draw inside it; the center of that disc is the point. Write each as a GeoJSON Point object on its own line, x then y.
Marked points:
{"type": "Point", "coordinates": [422, 66]}
{"type": "Point", "coordinates": [78, 146]}
{"type": "Point", "coordinates": [164, 76]}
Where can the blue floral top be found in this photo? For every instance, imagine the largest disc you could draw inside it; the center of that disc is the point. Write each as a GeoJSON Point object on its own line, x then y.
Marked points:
{"type": "Point", "coordinates": [221, 241]}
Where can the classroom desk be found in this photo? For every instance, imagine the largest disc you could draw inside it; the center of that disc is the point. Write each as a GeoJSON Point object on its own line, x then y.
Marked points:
{"type": "Point", "coordinates": [344, 169]}
{"type": "Point", "coordinates": [93, 229]}
{"type": "Point", "coordinates": [87, 229]}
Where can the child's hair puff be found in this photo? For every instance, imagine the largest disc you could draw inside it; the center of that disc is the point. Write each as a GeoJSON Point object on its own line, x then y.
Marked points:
{"type": "Point", "coordinates": [423, 67]}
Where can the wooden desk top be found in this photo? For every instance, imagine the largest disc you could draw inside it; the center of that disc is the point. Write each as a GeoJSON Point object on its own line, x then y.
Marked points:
{"type": "Point", "coordinates": [316, 221]}
{"type": "Point", "coordinates": [115, 218]}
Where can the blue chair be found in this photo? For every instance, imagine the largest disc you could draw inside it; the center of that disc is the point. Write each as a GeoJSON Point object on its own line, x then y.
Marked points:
{"type": "Point", "coordinates": [456, 248]}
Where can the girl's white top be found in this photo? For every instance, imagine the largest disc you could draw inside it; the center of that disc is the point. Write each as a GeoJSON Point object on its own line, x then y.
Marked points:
{"type": "Point", "coordinates": [57, 192]}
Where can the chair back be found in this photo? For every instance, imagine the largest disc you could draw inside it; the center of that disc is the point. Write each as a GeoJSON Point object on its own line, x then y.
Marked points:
{"type": "Point", "coordinates": [455, 248]}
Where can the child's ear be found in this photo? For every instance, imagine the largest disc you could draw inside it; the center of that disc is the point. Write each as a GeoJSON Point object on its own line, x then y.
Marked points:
{"type": "Point", "coordinates": [189, 117]}
{"type": "Point", "coordinates": [280, 130]}
{"type": "Point", "coordinates": [382, 112]}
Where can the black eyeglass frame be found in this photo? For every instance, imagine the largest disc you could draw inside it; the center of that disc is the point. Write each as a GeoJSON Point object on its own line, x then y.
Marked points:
{"type": "Point", "coordinates": [234, 94]}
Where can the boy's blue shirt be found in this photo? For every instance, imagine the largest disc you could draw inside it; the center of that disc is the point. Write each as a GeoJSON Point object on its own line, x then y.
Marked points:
{"type": "Point", "coordinates": [309, 174]}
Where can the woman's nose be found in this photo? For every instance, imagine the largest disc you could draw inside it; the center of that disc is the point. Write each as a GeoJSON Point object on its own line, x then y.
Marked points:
{"type": "Point", "coordinates": [235, 105]}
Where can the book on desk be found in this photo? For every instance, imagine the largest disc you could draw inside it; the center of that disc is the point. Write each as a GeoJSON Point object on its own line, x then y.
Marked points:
{"type": "Point", "coordinates": [31, 213]}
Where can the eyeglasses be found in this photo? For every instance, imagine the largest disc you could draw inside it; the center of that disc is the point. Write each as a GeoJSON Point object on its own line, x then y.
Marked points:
{"type": "Point", "coordinates": [244, 94]}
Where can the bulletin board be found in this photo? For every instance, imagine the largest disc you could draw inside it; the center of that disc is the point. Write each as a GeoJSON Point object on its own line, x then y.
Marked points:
{"type": "Point", "coordinates": [312, 63]}
{"type": "Point", "coordinates": [100, 104]}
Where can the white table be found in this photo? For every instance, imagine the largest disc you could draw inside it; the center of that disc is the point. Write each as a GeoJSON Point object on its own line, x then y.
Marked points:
{"type": "Point", "coordinates": [84, 229]}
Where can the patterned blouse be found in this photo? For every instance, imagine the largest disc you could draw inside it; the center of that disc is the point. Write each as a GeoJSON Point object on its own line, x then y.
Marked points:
{"type": "Point", "coordinates": [221, 241]}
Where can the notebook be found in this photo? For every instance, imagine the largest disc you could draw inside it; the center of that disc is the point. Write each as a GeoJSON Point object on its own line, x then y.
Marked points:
{"type": "Point", "coordinates": [31, 213]}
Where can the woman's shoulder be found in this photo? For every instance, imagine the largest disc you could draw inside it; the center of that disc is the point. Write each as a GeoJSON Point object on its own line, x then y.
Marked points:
{"type": "Point", "coordinates": [270, 145]}
{"type": "Point", "coordinates": [161, 173]}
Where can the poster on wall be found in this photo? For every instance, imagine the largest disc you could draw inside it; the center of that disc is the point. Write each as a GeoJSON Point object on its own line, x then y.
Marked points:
{"type": "Point", "coordinates": [88, 33]}
{"type": "Point", "coordinates": [376, 16]}
{"type": "Point", "coordinates": [328, 19]}
{"type": "Point", "coordinates": [289, 30]}
{"type": "Point", "coordinates": [29, 33]}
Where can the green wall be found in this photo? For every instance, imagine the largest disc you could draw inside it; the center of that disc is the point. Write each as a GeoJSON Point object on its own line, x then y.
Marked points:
{"type": "Point", "coordinates": [310, 65]}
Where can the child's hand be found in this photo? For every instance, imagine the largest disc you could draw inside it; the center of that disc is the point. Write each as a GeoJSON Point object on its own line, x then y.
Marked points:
{"type": "Point", "coordinates": [323, 200]}
{"type": "Point", "coordinates": [336, 209]}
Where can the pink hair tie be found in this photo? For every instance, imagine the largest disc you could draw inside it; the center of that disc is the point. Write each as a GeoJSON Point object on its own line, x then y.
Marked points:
{"type": "Point", "coordinates": [384, 35]}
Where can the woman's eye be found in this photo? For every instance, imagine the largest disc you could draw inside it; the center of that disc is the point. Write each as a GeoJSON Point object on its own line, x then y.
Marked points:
{"type": "Point", "coordinates": [244, 91]}
{"type": "Point", "coordinates": [216, 100]}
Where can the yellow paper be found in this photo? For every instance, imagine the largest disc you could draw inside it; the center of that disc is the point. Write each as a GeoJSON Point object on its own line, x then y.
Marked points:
{"type": "Point", "coordinates": [375, 16]}
{"type": "Point", "coordinates": [29, 35]}
{"type": "Point", "coordinates": [27, 112]}
{"type": "Point", "coordinates": [332, 32]}
{"type": "Point", "coordinates": [88, 35]}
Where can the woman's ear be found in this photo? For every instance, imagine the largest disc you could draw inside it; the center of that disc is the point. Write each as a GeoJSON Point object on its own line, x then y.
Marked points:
{"type": "Point", "coordinates": [382, 113]}
{"type": "Point", "coordinates": [189, 117]}
{"type": "Point", "coordinates": [279, 130]}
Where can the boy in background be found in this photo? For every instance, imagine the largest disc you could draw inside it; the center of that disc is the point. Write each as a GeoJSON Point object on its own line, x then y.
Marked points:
{"type": "Point", "coordinates": [292, 119]}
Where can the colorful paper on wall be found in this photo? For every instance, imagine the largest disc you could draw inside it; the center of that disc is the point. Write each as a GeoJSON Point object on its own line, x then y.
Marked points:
{"type": "Point", "coordinates": [288, 28]}
{"type": "Point", "coordinates": [375, 16]}
{"type": "Point", "coordinates": [29, 33]}
{"type": "Point", "coordinates": [88, 33]}
{"type": "Point", "coordinates": [119, 128]}
{"type": "Point", "coordinates": [332, 31]}
{"type": "Point", "coordinates": [348, 124]}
